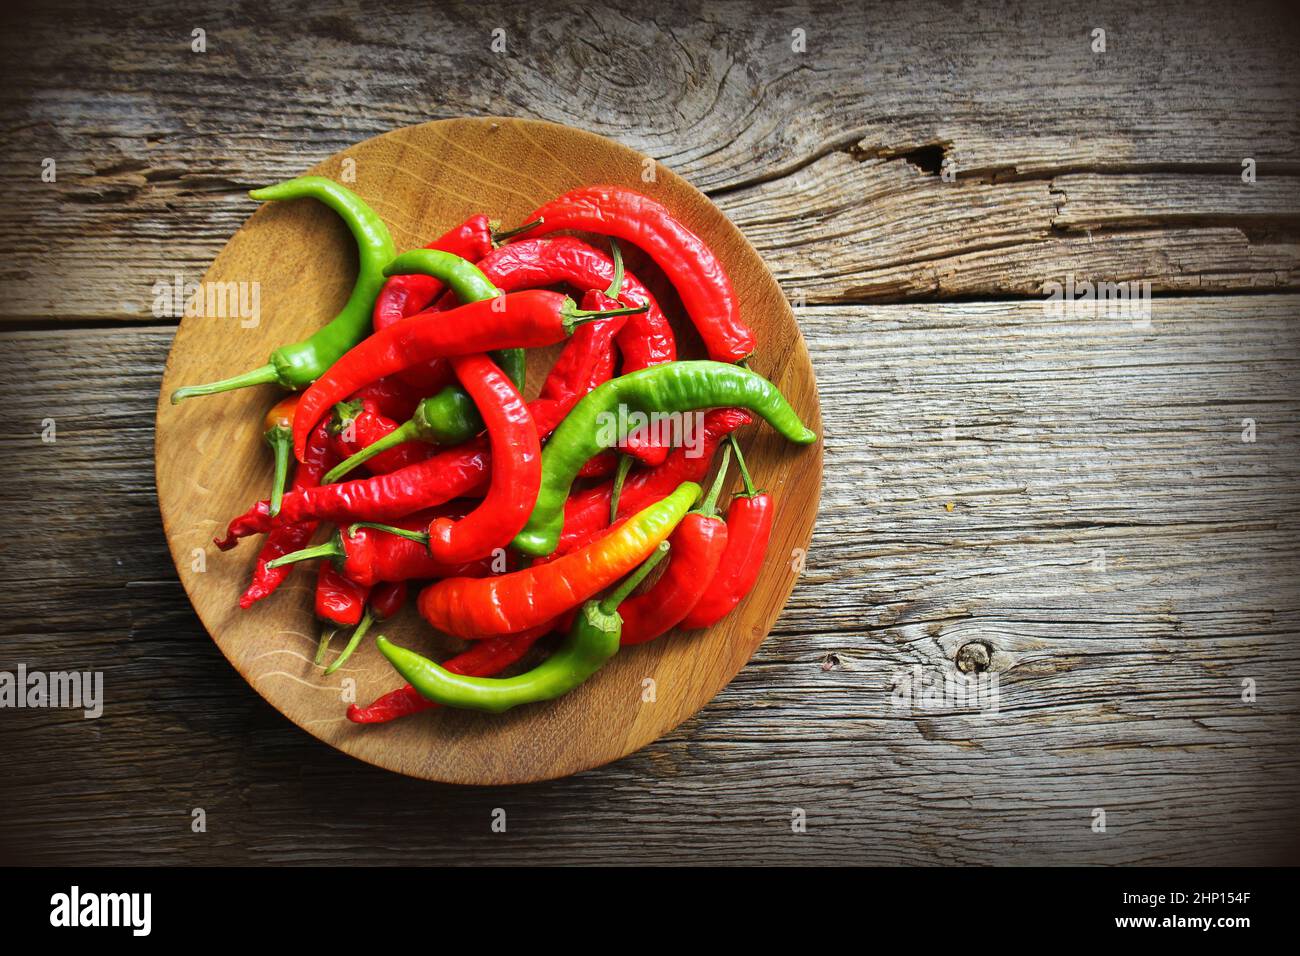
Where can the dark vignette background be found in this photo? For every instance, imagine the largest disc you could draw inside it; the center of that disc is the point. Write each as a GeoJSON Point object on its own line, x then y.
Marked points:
{"type": "Point", "coordinates": [1121, 688]}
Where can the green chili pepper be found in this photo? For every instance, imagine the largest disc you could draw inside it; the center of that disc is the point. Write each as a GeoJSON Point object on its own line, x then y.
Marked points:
{"type": "Point", "coordinates": [671, 387]}
{"type": "Point", "coordinates": [450, 417]}
{"type": "Point", "coordinates": [592, 640]}
{"type": "Point", "coordinates": [298, 365]}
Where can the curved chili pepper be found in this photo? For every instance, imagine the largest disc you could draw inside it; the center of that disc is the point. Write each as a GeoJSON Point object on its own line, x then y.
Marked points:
{"type": "Point", "coordinates": [749, 528]}
{"type": "Point", "coordinates": [393, 398]}
{"type": "Point", "coordinates": [368, 556]}
{"type": "Point", "coordinates": [477, 608]}
{"type": "Point", "coordinates": [586, 513]}
{"type": "Point", "coordinates": [697, 547]}
{"type": "Point", "coordinates": [448, 418]}
{"type": "Point", "coordinates": [592, 640]}
{"type": "Point", "coordinates": [676, 387]}
{"type": "Point", "coordinates": [288, 536]}
{"type": "Point", "coordinates": [527, 319]}
{"type": "Point", "coordinates": [385, 600]}
{"type": "Point", "coordinates": [645, 339]}
{"type": "Point", "coordinates": [339, 599]}
{"type": "Point", "coordinates": [278, 433]}
{"type": "Point", "coordinates": [358, 425]}
{"type": "Point", "coordinates": [405, 295]}
{"type": "Point", "coordinates": [685, 259]}
{"type": "Point", "coordinates": [456, 473]}
{"type": "Point", "coordinates": [296, 366]}
{"type": "Point", "coordinates": [515, 478]}
{"type": "Point", "coordinates": [482, 659]}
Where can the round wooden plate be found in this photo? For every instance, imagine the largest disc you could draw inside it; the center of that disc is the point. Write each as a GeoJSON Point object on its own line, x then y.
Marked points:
{"type": "Point", "coordinates": [211, 462]}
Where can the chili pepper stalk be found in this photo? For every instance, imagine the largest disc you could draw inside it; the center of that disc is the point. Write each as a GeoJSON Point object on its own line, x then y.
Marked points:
{"type": "Point", "coordinates": [279, 435]}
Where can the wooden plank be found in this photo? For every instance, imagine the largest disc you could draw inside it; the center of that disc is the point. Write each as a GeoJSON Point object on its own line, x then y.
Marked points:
{"type": "Point", "coordinates": [1125, 556]}
{"type": "Point", "coordinates": [827, 158]}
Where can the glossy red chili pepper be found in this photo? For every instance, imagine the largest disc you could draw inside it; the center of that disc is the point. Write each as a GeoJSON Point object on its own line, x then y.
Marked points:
{"type": "Point", "coordinates": [368, 556]}
{"type": "Point", "coordinates": [339, 599]}
{"type": "Point", "coordinates": [685, 259]}
{"type": "Point", "coordinates": [586, 513]}
{"type": "Point", "coordinates": [482, 659]}
{"type": "Point", "coordinates": [387, 598]}
{"type": "Point", "coordinates": [289, 535]}
{"type": "Point", "coordinates": [645, 339]}
{"type": "Point", "coordinates": [528, 319]}
{"type": "Point", "coordinates": [392, 397]}
{"type": "Point", "coordinates": [694, 555]}
{"type": "Point", "coordinates": [403, 296]}
{"type": "Point", "coordinates": [458, 472]}
{"type": "Point", "coordinates": [359, 424]}
{"type": "Point", "coordinates": [516, 473]}
{"type": "Point", "coordinates": [749, 528]}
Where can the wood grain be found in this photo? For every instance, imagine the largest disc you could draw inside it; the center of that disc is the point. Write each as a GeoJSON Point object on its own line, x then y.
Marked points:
{"type": "Point", "coordinates": [828, 160]}
{"type": "Point", "coordinates": [210, 464]}
{"type": "Point", "coordinates": [1122, 678]}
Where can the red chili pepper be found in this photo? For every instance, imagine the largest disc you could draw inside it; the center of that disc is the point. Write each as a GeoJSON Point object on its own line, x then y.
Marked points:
{"type": "Point", "coordinates": [458, 472]}
{"type": "Point", "coordinates": [482, 659]}
{"type": "Point", "coordinates": [386, 599]}
{"type": "Point", "coordinates": [289, 535]}
{"type": "Point", "coordinates": [528, 319]}
{"type": "Point", "coordinates": [516, 474]}
{"type": "Point", "coordinates": [586, 513]}
{"type": "Point", "coordinates": [695, 552]}
{"type": "Point", "coordinates": [359, 424]}
{"type": "Point", "coordinates": [368, 556]}
{"type": "Point", "coordinates": [645, 339]}
{"type": "Point", "coordinates": [685, 259]}
{"type": "Point", "coordinates": [338, 598]}
{"type": "Point", "coordinates": [749, 528]}
{"type": "Point", "coordinates": [393, 398]}
{"type": "Point", "coordinates": [403, 296]}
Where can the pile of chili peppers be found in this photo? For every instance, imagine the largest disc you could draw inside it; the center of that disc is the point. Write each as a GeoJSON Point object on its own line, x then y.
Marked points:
{"type": "Point", "coordinates": [511, 519]}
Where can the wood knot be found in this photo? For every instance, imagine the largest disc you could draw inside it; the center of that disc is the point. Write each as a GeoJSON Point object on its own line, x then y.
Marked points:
{"type": "Point", "coordinates": [974, 656]}
{"type": "Point", "coordinates": [830, 662]}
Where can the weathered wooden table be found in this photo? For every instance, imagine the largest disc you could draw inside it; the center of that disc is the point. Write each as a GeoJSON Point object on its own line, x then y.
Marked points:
{"type": "Point", "coordinates": [1098, 510]}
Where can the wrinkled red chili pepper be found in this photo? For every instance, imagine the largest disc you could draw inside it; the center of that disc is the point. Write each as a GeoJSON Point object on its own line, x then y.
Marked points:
{"type": "Point", "coordinates": [403, 296]}
{"type": "Point", "coordinates": [529, 319]}
{"type": "Point", "coordinates": [393, 398]}
{"type": "Point", "coordinates": [644, 339]}
{"type": "Point", "coordinates": [586, 513]}
{"type": "Point", "coordinates": [339, 599]}
{"type": "Point", "coordinates": [695, 552]}
{"type": "Point", "coordinates": [483, 659]}
{"type": "Point", "coordinates": [368, 556]}
{"type": "Point", "coordinates": [749, 529]}
{"type": "Point", "coordinates": [358, 424]}
{"type": "Point", "coordinates": [385, 600]}
{"type": "Point", "coordinates": [288, 535]}
{"type": "Point", "coordinates": [685, 259]}
{"type": "Point", "coordinates": [458, 472]}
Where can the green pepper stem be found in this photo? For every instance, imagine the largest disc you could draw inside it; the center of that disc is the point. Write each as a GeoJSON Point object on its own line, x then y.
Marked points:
{"type": "Point", "coordinates": [620, 476]}
{"type": "Point", "coordinates": [263, 375]}
{"type": "Point", "coordinates": [420, 537]}
{"type": "Point", "coordinates": [366, 620]}
{"type": "Point", "coordinates": [710, 502]}
{"type": "Point", "coordinates": [508, 234]}
{"type": "Point", "coordinates": [332, 548]}
{"type": "Point", "coordinates": [740, 460]}
{"type": "Point", "coordinates": [573, 316]}
{"type": "Point", "coordinates": [326, 635]}
{"type": "Point", "coordinates": [281, 442]}
{"type": "Point", "coordinates": [620, 594]}
{"type": "Point", "coordinates": [616, 286]}
{"type": "Point", "coordinates": [407, 431]}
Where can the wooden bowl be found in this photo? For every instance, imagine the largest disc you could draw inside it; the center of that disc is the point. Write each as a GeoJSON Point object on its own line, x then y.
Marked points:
{"type": "Point", "coordinates": [211, 462]}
